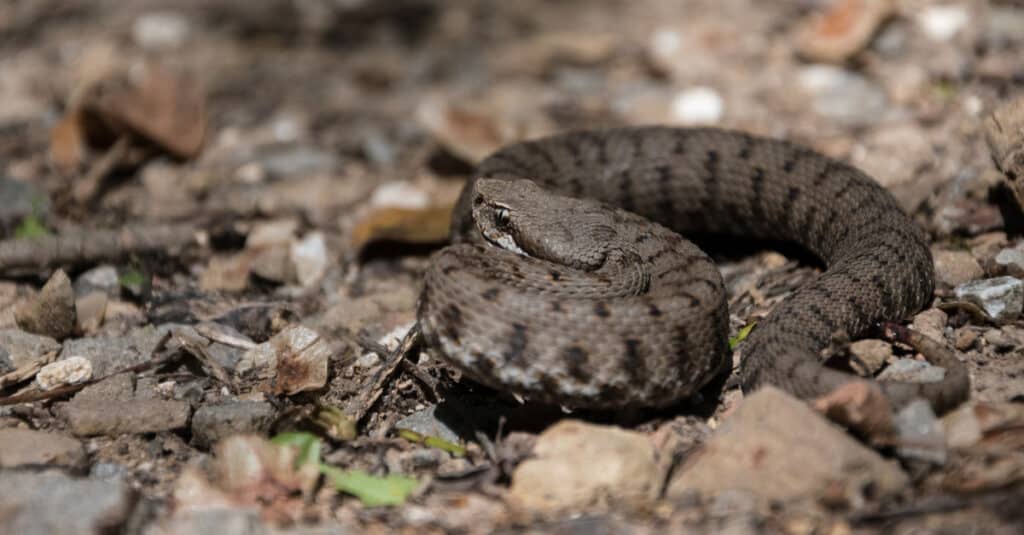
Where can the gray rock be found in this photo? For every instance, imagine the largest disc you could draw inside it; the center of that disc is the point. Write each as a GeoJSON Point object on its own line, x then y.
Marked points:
{"type": "Point", "coordinates": [51, 503]}
{"type": "Point", "coordinates": [213, 422]}
{"type": "Point", "coordinates": [921, 433]}
{"type": "Point", "coordinates": [290, 161]}
{"type": "Point", "coordinates": [953, 268]}
{"type": "Point", "coordinates": [99, 279]}
{"type": "Point", "coordinates": [101, 417]}
{"type": "Point", "coordinates": [425, 423]}
{"type": "Point", "coordinates": [220, 521]}
{"type": "Point", "coordinates": [120, 387]}
{"type": "Point", "coordinates": [1002, 298]}
{"type": "Point", "coordinates": [111, 354]}
{"type": "Point", "coordinates": [843, 95]}
{"type": "Point", "coordinates": [912, 371]}
{"type": "Point", "coordinates": [26, 447]}
{"type": "Point", "coordinates": [778, 448]}
{"type": "Point", "coordinates": [21, 200]}
{"type": "Point", "coordinates": [1011, 261]}
{"type": "Point", "coordinates": [24, 348]}
{"type": "Point", "coordinates": [52, 311]}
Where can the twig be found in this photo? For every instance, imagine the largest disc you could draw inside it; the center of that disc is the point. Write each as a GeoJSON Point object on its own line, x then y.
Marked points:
{"type": "Point", "coordinates": [391, 363]}
{"type": "Point", "coordinates": [86, 188]}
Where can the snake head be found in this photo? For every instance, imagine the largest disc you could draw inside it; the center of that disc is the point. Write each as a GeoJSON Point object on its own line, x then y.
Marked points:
{"type": "Point", "coordinates": [519, 215]}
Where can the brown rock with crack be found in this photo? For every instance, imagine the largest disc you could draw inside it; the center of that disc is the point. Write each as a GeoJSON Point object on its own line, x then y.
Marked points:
{"type": "Point", "coordinates": [778, 448]}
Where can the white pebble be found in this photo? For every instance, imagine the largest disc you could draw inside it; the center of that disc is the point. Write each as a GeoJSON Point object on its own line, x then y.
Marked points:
{"type": "Point", "coordinates": [69, 371]}
{"type": "Point", "coordinates": [160, 30]}
{"type": "Point", "coordinates": [698, 105]}
{"type": "Point", "coordinates": [400, 194]}
{"type": "Point", "coordinates": [942, 22]}
{"type": "Point", "coordinates": [309, 255]}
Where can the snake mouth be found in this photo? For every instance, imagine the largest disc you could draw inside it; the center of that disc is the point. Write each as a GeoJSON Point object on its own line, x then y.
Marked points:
{"type": "Point", "coordinates": [503, 240]}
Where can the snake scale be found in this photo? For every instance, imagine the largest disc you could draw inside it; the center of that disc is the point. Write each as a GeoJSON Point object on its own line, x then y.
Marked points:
{"type": "Point", "coordinates": [567, 282]}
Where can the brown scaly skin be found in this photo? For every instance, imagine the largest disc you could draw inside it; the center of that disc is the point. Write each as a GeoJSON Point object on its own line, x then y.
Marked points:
{"type": "Point", "coordinates": [551, 293]}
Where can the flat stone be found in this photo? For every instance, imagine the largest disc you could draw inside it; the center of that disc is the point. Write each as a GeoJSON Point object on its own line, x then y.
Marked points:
{"type": "Point", "coordinates": [953, 268]}
{"type": "Point", "coordinates": [90, 310]}
{"type": "Point", "coordinates": [27, 447]}
{"type": "Point", "coordinates": [912, 371]}
{"type": "Point", "coordinates": [222, 521]}
{"type": "Point", "coordinates": [99, 279]}
{"type": "Point", "coordinates": [111, 354]}
{"type": "Point", "coordinates": [52, 311]}
{"type": "Point", "coordinates": [1011, 261]}
{"type": "Point", "coordinates": [21, 200]}
{"type": "Point", "coordinates": [101, 417]}
{"type": "Point", "coordinates": [120, 387]}
{"type": "Point", "coordinates": [1002, 298]}
{"type": "Point", "coordinates": [51, 503]}
{"type": "Point", "coordinates": [921, 433]}
{"type": "Point", "coordinates": [777, 448]}
{"type": "Point", "coordinates": [425, 423]}
{"type": "Point", "coordinates": [25, 348]}
{"type": "Point", "coordinates": [564, 474]}
{"type": "Point", "coordinates": [931, 323]}
{"type": "Point", "coordinates": [213, 422]}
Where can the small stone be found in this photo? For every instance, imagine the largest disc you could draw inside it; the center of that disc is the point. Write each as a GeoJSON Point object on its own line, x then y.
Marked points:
{"type": "Point", "coordinates": [309, 258]}
{"type": "Point", "coordinates": [160, 30]}
{"type": "Point", "coordinates": [1011, 261]}
{"type": "Point", "coordinates": [297, 160]}
{"type": "Point", "coordinates": [562, 473]}
{"type": "Point", "coordinates": [912, 371]}
{"type": "Point", "coordinates": [111, 418]}
{"type": "Point", "coordinates": [226, 273]}
{"type": "Point", "coordinates": [115, 353]}
{"type": "Point", "coordinates": [964, 339]}
{"type": "Point", "coordinates": [219, 520]}
{"type": "Point", "coordinates": [843, 31]}
{"type": "Point", "coordinates": [921, 435]}
{"type": "Point", "coordinates": [274, 232]}
{"type": "Point", "coordinates": [67, 371]}
{"type": "Point", "coordinates": [400, 194]}
{"type": "Point", "coordinates": [697, 105]}
{"type": "Point", "coordinates": [842, 95]}
{"type": "Point", "coordinates": [931, 323]}
{"type": "Point", "coordinates": [778, 448]}
{"type": "Point", "coordinates": [1002, 298]}
{"type": "Point", "coordinates": [53, 503]}
{"type": "Point", "coordinates": [942, 22]}
{"type": "Point", "coordinates": [425, 423]}
{"type": "Point", "coordinates": [213, 422]}
{"type": "Point", "coordinates": [26, 447]}
{"type": "Point", "coordinates": [953, 268]}
{"type": "Point", "coordinates": [120, 387]}
{"type": "Point", "coordinates": [26, 349]}
{"type": "Point", "coordinates": [52, 311]}
{"type": "Point", "coordinates": [976, 421]}
{"type": "Point", "coordinates": [101, 278]}
{"type": "Point", "coordinates": [873, 354]}
{"type": "Point", "coordinates": [90, 310]}
{"type": "Point", "coordinates": [999, 340]}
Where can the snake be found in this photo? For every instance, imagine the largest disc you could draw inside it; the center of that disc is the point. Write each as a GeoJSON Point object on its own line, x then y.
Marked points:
{"type": "Point", "coordinates": [567, 280]}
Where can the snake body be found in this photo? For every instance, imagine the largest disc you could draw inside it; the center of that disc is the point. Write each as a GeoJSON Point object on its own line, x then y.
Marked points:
{"type": "Point", "coordinates": [567, 282]}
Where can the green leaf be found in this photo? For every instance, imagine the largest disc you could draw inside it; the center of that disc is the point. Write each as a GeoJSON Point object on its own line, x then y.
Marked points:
{"type": "Point", "coordinates": [373, 491]}
{"type": "Point", "coordinates": [742, 335]}
{"type": "Point", "coordinates": [433, 442]}
{"type": "Point", "coordinates": [31, 228]}
{"type": "Point", "coordinates": [132, 278]}
{"type": "Point", "coordinates": [308, 445]}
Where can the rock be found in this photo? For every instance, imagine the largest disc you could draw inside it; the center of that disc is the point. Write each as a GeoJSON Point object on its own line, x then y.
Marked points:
{"type": "Point", "coordinates": [696, 106]}
{"type": "Point", "coordinates": [115, 353]}
{"type": "Point", "coordinates": [562, 473]}
{"type": "Point", "coordinates": [297, 160]}
{"type": "Point", "coordinates": [26, 349]}
{"type": "Point", "coordinates": [52, 311]}
{"type": "Point", "coordinates": [1004, 134]}
{"type": "Point", "coordinates": [1011, 261]}
{"type": "Point", "coordinates": [912, 371]}
{"type": "Point", "coordinates": [67, 371]}
{"type": "Point", "coordinates": [120, 387]}
{"type": "Point", "coordinates": [309, 259]}
{"type": "Point", "coordinates": [226, 273]}
{"type": "Point", "coordinates": [294, 360]}
{"type": "Point", "coordinates": [1000, 340]}
{"type": "Point", "coordinates": [977, 422]}
{"type": "Point", "coordinates": [843, 96]}
{"type": "Point", "coordinates": [883, 153]}
{"type": "Point", "coordinates": [213, 422]}
{"type": "Point", "coordinates": [953, 268]}
{"type": "Point", "coordinates": [21, 200]}
{"type": "Point", "coordinates": [25, 447]}
{"type": "Point", "coordinates": [90, 310]}
{"type": "Point", "coordinates": [873, 354]}
{"type": "Point", "coordinates": [111, 418]}
{"type": "Point", "coordinates": [778, 448]}
{"type": "Point", "coordinates": [843, 31]}
{"type": "Point", "coordinates": [931, 323]}
{"type": "Point", "coordinates": [425, 423]}
{"type": "Point", "coordinates": [101, 278]}
{"type": "Point", "coordinates": [52, 503]}
{"type": "Point", "coordinates": [942, 22]}
{"type": "Point", "coordinates": [222, 521]}
{"type": "Point", "coordinates": [921, 435]}
{"type": "Point", "coordinates": [1002, 298]}
{"type": "Point", "coordinates": [964, 338]}
{"type": "Point", "coordinates": [160, 30]}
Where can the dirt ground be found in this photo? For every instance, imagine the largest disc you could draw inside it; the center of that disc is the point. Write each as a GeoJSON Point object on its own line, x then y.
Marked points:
{"type": "Point", "coordinates": [215, 216]}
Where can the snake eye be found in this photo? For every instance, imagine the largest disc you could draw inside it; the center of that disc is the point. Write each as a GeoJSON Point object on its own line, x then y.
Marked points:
{"type": "Point", "coordinates": [502, 217]}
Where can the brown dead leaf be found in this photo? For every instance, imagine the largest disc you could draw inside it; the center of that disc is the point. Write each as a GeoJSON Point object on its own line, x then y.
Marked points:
{"type": "Point", "coordinates": [67, 144]}
{"type": "Point", "coordinates": [860, 405]}
{"type": "Point", "coordinates": [408, 225]}
{"type": "Point", "coordinates": [165, 108]}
